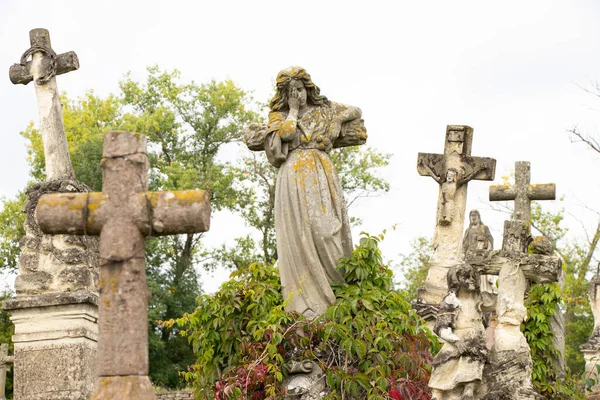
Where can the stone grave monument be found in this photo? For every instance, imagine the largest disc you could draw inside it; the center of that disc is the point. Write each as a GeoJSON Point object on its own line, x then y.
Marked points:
{"type": "Point", "coordinates": [311, 224]}
{"type": "Point", "coordinates": [55, 309]}
{"type": "Point", "coordinates": [123, 215]}
{"type": "Point", "coordinates": [452, 171]}
{"type": "Point", "coordinates": [507, 374]}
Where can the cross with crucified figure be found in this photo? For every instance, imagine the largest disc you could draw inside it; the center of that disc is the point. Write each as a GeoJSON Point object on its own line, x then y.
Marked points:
{"type": "Point", "coordinates": [452, 171]}
{"type": "Point", "coordinates": [123, 215]}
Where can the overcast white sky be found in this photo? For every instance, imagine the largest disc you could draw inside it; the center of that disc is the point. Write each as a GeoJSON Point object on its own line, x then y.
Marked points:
{"type": "Point", "coordinates": [509, 69]}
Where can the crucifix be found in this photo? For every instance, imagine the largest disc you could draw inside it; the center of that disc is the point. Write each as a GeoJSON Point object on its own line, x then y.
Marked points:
{"type": "Point", "coordinates": [5, 361]}
{"type": "Point", "coordinates": [510, 359]}
{"type": "Point", "coordinates": [452, 171]}
{"type": "Point", "coordinates": [42, 69]}
{"type": "Point", "coordinates": [123, 215]}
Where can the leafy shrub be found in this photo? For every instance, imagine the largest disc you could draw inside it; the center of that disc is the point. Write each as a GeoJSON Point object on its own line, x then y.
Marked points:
{"type": "Point", "coordinates": [542, 304]}
{"type": "Point", "coordinates": [370, 343]}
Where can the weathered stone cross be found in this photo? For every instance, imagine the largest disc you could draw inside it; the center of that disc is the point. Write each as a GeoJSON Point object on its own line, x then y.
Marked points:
{"type": "Point", "coordinates": [523, 192]}
{"type": "Point", "coordinates": [5, 361]}
{"type": "Point", "coordinates": [452, 171]}
{"type": "Point", "coordinates": [42, 68]}
{"type": "Point", "coordinates": [510, 359]}
{"type": "Point", "coordinates": [123, 215]}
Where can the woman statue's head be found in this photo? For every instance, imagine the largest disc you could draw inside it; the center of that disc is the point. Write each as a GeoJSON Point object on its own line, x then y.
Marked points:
{"type": "Point", "coordinates": [279, 102]}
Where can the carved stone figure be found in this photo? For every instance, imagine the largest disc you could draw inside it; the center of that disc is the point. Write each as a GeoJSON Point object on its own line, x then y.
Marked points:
{"type": "Point", "coordinates": [477, 235]}
{"type": "Point", "coordinates": [452, 180]}
{"type": "Point", "coordinates": [311, 220]}
{"type": "Point", "coordinates": [478, 239]}
{"type": "Point", "coordinates": [305, 381]}
{"type": "Point", "coordinates": [458, 367]}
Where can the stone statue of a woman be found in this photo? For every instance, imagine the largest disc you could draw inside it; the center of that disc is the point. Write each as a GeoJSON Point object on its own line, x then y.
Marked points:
{"type": "Point", "coordinates": [311, 221]}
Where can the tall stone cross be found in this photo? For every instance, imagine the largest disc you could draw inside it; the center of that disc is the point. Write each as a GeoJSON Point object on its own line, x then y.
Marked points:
{"type": "Point", "coordinates": [123, 215]}
{"type": "Point", "coordinates": [5, 361]}
{"type": "Point", "coordinates": [452, 171]}
{"type": "Point", "coordinates": [42, 69]}
{"type": "Point", "coordinates": [509, 369]}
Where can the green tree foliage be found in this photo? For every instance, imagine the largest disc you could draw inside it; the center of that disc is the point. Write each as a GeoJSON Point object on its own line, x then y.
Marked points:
{"type": "Point", "coordinates": [12, 220]}
{"type": "Point", "coordinates": [186, 125]}
{"type": "Point", "coordinates": [414, 266]}
{"type": "Point", "coordinates": [370, 343]}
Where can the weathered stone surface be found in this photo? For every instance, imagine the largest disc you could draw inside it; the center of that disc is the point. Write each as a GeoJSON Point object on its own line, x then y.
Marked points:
{"type": "Point", "coordinates": [42, 69]}
{"type": "Point", "coordinates": [508, 373]}
{"type": "Point", "coordinates": [59, 371]}
{"type": "Point", "coordinates": [523, 192]}
{"type": "Point", "coordinates": [452, 171]}
{"type": "Point", "coordinates": [311, 220]}
{"type": "Point", "coordinates": [122, 222]}
{"type": "Point", "coordinates": [305, 381]}
{"type": "Point", "coordinates": [49, 263]}
{"type": "Point", "coordinates": [458, 367]}
{"type": "Point", "coordinates": [155, 213]}
{"type": "Point", "coordinates": [33, 282]}
{"type": "Point", "coordinates": [180, 395]}
{"type": "Point", "coordinates": [124, 388]}
{"type": "Point", "coordinates": [55, 345]}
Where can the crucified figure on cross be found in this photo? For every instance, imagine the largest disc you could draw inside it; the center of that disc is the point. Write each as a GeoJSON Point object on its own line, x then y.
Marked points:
{"type": "Point", "coordinates": [453, 179]}
{"type": "Point", "coordinates": [452, 170]}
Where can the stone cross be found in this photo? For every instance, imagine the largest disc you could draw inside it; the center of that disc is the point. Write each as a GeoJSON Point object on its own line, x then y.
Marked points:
{"type": "Point", "coordinates": [523, 192]}
{"type": "Point", "coordinates": [510, 366]}
{"type": "Point", "coordinates": [42, 68]}
{"type": "Point", "coordinates": [452, 171]}
{"type": "Point", "coordinates": [123, 215]}
{"type": "Point", "coordinates": [5, 360]}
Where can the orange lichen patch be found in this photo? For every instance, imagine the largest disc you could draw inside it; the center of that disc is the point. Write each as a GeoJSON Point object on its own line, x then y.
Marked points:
{"type": "Point", "coordinates": [287, 128]}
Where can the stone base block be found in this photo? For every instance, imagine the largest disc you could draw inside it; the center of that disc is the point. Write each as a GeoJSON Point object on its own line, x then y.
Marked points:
{"type": "Point", "coordinates": [62, 370]}
{"type": "Point", "coordinates": [124, 388]}
{"type": "Point", "coordinates": [55, 345]}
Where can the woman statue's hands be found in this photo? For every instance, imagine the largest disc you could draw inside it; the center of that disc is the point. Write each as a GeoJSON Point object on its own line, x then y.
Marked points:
{"type": "Point", "coordinates": [294, 102]}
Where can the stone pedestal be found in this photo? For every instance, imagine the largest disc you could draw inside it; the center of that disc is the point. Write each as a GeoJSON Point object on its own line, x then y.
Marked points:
{"type": "Point", "coordinates": [55, 311]}
{"type": "Point", "coordinates": [55, 344]}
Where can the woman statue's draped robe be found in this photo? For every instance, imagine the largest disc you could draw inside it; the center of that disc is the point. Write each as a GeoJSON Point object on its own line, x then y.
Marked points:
{"type": "Point", "coordinates": [311, 220]}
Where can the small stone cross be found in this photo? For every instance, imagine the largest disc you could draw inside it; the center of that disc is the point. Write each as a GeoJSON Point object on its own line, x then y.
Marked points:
{"type": "Point", "coordinates": [123, 215]}
{"type": "Point", "coordinates": [452, 171]}
{"type": "Point", "coordinates": [5, 360]}
{"type": "Point", "coordinates": [42, 69]}
{"type": "Point", "coordinates": [523, 192]}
